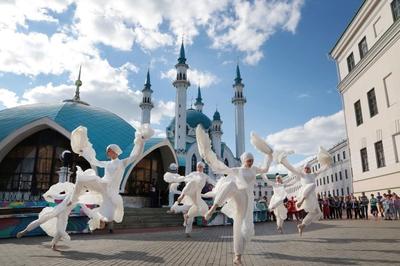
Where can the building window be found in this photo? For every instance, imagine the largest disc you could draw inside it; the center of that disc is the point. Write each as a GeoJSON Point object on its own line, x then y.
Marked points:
{"type": "Point", "coordinates": [344, 155]}
{"type": "Point", "coordinates": [395, 9]}
{"type": "Point", "coordinates": [324, 180]}
{"type": "Point", "coordinates": [340, 175]}
{"type": "Point", "coordinates": [358, 112]}
{"type": "Point", "coordinates": [350, 62]}
{"type": "Point", "coordinates": [396, 144]}
{"type": "Point", "coordinates": [380, 156]}
{"type": "Point", "coordinates": [345, 174]}
{"type": "Point", "coordinates": [348, 191]}
{"type": "Point", "coordinates": [363, 47]}
{"type": "Point", "coordinates": [338, 157]}
{"type": "Point", "coordinates": [364, 160]}
{"type": "Point", "coordinates": [266, 193]}
{"type": "Point", "coordinates": [336, 177]}
{"type": "Point", "coordinates": [194, 163]}
{"type": "Point", "coordinates": [317, 182]}
{"type": "Point", "coordinates": [327, 179]}
{"type": "Point", "coordinates": [334, 159]}
{"type": "Point", "coordinates": [373, 106]}
{"type": "Point", "coordinates": [337, 192]}
{"type": "Point", "coordinates": [342, 191]}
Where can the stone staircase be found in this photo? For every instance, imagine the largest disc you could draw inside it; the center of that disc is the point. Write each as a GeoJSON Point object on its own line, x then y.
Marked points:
{"type": "Point", "coordinates": [148, 217]}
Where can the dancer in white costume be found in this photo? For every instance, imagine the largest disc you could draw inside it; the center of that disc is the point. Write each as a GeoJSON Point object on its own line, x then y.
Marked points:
{"type": "Point", "coordinates": [307, 197]}
{"type": "Point", "coordinates": [173, 187]}
{"type": "Point", "coordinates": [193, 204]}
{"type": "Point", "coordinates": [111, 208]}
{"type": "Point", "coordinates": [54, 220]}
{"type": "Point", "coordinates": [276, 204]}
{"type": "Point", "coordinates": [236, 190]}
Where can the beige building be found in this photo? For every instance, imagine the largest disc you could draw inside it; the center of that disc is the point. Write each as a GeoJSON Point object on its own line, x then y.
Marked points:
{"type": "Point", "coordinates": [368, 63]}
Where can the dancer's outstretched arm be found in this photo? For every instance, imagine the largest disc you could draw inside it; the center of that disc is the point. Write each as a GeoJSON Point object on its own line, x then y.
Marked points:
{"type": "Point", "coordinates": [291, 168]}
{"type": "Point", "coordinates": [141, 136]}
{"type": "Point", "coordinates": [204, 147]}
{"type": "Point", "coordinates": [265, 166]}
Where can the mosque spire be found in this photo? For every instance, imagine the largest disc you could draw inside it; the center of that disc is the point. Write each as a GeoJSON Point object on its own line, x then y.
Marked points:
{"type": "Point", "coordinates": [182, 58]}
{"type": "Point", "coordinates": [78, 84]}
{"type": "Point", "coordinates": [199, 101]}
{"type": "Point", "coordinates": [238, 78]}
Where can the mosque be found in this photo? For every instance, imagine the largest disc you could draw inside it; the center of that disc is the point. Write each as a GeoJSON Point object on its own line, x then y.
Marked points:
{"type": "Point", "coordinates": [32, 138]}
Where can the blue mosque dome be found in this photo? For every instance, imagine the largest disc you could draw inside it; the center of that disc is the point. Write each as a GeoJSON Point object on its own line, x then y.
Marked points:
{"type": "Point", "coordinates": [103, 126]}
{"type": "Point", "coordinates": [194, 118]}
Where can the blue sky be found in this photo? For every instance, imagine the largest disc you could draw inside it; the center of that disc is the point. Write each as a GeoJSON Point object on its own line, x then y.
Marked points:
{"type": "Point", "coordinates": [282, 48]}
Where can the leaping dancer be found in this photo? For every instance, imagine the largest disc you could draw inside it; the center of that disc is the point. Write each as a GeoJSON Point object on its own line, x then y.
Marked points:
{"type": "Point", "coordinates": [236, 190]}
{"type": "Point", "coordinates": [277, 201]}
{"type": "Point", "coordinates": [54, 220]}
{"type": "Point", "coordinates": [190, 198]}
{"type": "Point", "coordinates": [111, 207]}
{"type": "Point", "coordinates": [307, 198]}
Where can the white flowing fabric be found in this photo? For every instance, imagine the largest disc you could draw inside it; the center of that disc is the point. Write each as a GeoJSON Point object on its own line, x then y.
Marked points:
{"type": "Point", "coordinates": [236, 190]}
{"type": "Point", "coordinates": [111, 208]}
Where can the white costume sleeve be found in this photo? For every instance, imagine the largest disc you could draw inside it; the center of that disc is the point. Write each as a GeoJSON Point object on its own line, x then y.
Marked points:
{"type": "Point", "coordinates": [142, 134]}
{"type": "Point", "coordinates": [291, 168]}
{"type": "Point", "coordinates": [265, 166]}
{"type": "Point", "coordinates": [204, 146]}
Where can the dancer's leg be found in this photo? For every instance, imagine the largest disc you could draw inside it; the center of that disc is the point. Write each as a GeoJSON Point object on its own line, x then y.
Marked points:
{"type": "Point", "coordinates": [310, 218]}
{"type": "Point", "coordinates": [239, 240]}
{"type": "Point", "coordinates": [36, 223]}
{"type": "Point", "coordinates": [189, 226]}
{"type": "Point", "coordinates": [227, 190]}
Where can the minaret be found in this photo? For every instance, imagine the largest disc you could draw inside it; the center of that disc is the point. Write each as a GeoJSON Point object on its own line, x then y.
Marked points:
{"type": "Point", "coordinates": [199, 101]}
{"type": "Point", "coordinates": [238, 100]}
{"type": "Point", "coordinates": [78, 84]}
{"type": "Point", "coordinates": [181, 84]}
{"type": "Point", "coordinates": [216, 133]}
{"type": "Point", "coordinates": [146, 105]}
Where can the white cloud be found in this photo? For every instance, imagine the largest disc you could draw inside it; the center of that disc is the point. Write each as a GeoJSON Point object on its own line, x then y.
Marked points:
{"type": "Point", "coordinates": [305, 139]}
{"type": "Point", "coordinates": [8, 98]}
{"type": "Point", "coordinates": [303, 95]}
{"type": "Point", "coordinates": [195, 76]}
{"type": "Point", "coordinates": [253, 24]}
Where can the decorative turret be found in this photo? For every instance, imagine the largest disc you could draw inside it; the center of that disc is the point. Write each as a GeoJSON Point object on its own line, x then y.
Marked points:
{"type": "Point", "coordinates": [199, 101]}
{"type": "Point", "coordinates": [181, 84]}
{"type": "Point", "coordinates": [216, 133]}
{"type": "Point", "coordinates": [239, 100]}
{"type": "Point", "coordinates": [146, 105]}
{"type": "Point", "coordinates": [78, 84]}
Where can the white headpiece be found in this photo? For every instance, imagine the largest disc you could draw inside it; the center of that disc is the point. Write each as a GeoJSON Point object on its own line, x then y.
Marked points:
{"type": "Point", "coordinates": [246, 156]}
{"type": "Point", "coordinates": [115, 148]}
{"type": "Point", "coordinates": [201, 164]}
{"type": "Point", "coordinates": [173, 167]}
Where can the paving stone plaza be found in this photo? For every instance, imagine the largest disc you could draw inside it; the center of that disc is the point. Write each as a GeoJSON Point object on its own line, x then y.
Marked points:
{"type": "Point", "coordinates": [324, 243]}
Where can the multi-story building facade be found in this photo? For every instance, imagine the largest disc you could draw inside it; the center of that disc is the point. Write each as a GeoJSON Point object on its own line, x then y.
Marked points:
{"type": "Point", "coordinates": [336, 180]}
{"type": "Point", "coordinates": [367, 56]}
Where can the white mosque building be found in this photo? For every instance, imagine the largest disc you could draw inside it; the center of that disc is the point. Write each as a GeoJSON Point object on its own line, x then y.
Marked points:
{"type": "Point", "coordinates": [181, 130]}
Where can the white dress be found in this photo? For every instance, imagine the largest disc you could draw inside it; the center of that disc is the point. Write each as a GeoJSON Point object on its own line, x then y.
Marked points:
{"type": "Point", "coordinates": [234, 192]}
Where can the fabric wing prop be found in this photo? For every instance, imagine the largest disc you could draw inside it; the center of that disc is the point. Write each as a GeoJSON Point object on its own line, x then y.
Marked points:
{"type": "Point", "coordinates": [144, 132]}
{"type": "Point", "coordinates": [260, 144]}
{"type": "Point", "coordinates": [80, 142]}
{"type": "Point", "coordinates": [323, 157]}
{"type": "Point", "coordinates": [204, 146]}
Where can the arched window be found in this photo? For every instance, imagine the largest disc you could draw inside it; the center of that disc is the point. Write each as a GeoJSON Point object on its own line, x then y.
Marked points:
{"type": "Point", "coordinates": [194, 162]}
{"type": "Point", "coordinates": [30, 168]}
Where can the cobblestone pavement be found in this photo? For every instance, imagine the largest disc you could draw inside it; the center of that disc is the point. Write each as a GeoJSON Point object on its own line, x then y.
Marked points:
{"type": "Point", "coordinates": [324, 243]}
